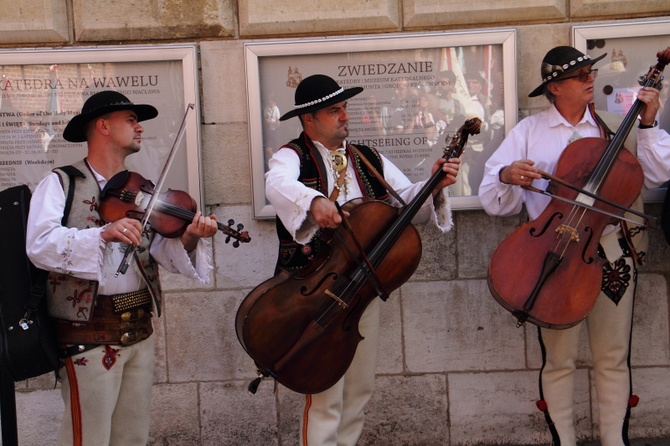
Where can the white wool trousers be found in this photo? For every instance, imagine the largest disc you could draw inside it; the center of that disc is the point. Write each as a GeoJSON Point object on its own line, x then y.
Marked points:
{"type": "Point", "coordinates": [107, 396]}
{"type": "Point", "coordinates": [335, 416]}
{"type": "Point", "coordinates": [609, 328]}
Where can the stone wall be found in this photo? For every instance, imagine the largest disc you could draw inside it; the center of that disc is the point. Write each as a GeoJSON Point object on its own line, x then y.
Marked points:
{"type": "Point", "coordinates": [453, 369]}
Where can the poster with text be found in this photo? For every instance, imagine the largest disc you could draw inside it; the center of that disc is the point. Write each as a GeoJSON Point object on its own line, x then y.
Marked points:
{"type": "Point", "coordinates": [416, 97]}
{"type": "Point", "coordinates": [37, 100]}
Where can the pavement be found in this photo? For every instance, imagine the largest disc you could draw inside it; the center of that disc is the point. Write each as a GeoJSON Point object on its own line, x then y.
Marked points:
{"type": "Point", "coordinates": [633, 442]}
{"type": "Point", "coordinates": [638, 442]}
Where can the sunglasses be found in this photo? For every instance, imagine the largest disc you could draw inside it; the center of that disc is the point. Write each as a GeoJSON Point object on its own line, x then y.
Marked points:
{"type": "Point", "coordinates": [583, 76]}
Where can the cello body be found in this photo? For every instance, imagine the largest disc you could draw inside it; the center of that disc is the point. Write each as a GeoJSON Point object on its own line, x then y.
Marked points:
{"type": "Point", "coordinates": [281, 323]}
{"type": "Point", "coordinates": [548, 271]}
{"type": "Point", "coordinates": [518, 269]}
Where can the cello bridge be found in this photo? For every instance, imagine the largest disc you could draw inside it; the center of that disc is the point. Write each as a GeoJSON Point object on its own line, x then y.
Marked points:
{"type": "Point", "coordinates": [337, 299]}
{"type": "Point", "coordinates": [562, 229]}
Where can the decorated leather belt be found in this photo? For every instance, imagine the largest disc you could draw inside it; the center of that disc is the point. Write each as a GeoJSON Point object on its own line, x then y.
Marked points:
{"type": "Point", "coordinates": [120, 319]}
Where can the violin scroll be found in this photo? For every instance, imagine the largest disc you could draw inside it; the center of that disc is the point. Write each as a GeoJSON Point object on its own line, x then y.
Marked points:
{"type": "Point", "coordinates": [239, 235]}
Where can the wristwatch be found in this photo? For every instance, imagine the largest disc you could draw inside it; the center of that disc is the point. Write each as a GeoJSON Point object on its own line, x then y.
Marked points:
{"type": "Point", "coordinates": [642, 126]}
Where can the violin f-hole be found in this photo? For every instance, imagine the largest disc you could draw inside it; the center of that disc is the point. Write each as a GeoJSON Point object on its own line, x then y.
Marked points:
{"type": "Point", "coordinates": [586, 258]}
{"type": "Point", "coordinates": [306, 292]}
{"type": "Point", "coordinates": [533, 231]}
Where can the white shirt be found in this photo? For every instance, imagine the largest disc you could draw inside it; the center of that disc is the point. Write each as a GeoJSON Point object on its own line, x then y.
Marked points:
{"type": "Point", "coordinates": [542, 137]}
{"type": "Point", "coordinates": [291, 199]}
{"type": "Point", "coordinates": [84, 254]}
{"type": "Point", "coordinates": [653, 152]}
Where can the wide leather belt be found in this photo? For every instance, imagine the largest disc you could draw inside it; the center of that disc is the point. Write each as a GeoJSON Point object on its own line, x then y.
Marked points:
{"type": "Point", "coordinates": [107, 326]}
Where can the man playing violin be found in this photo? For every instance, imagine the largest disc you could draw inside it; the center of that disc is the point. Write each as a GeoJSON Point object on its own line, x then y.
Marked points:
{"type": "Point", "coordinates": [305, 179]}
{"type": "Point", "coordinates": [534, 146]}
{"type": "Point", "coordinates": [102, 318]}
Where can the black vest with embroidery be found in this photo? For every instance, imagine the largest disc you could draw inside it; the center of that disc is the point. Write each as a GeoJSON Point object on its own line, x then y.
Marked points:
{"type": "Point", "coordinates": [292, 255]}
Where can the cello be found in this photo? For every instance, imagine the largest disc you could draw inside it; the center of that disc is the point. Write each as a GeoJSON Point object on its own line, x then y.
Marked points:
{"type": "Point", "coordinates": [302, 328]}
{"type": "Point", "coordinates": [548, 271]}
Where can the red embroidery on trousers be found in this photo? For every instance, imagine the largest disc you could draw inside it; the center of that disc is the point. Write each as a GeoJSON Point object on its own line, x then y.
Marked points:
{"type": "Point", "coordinates": [109, 359]}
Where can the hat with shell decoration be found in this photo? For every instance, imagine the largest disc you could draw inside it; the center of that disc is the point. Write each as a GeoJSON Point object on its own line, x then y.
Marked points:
{"type": "Point", "coordinates": [560, 61]}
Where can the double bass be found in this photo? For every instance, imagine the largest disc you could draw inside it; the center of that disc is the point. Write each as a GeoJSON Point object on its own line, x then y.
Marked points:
{"type": "Point", "coordinates": [548, 271]}
{"type": "Point", "coordinates": [302, 328]}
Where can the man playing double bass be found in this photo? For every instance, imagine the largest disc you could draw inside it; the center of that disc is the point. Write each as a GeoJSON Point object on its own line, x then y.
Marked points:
{"type": "Point", "coordinates": [302, 185]}
{"type": "Point", "coordinates": [535, 145]}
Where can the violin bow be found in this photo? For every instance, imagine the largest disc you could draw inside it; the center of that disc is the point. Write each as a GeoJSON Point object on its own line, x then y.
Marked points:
{"type": "Point", "coordinates": [650, 219]}
{"type": "Point", "coordinates": [125, 262]}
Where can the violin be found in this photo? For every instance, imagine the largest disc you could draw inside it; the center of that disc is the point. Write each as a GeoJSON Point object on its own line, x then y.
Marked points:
{"type": "Point", "coordinates": [548, 271]}
{"type": "Point", "coordinates": [128, 193]}
{"type": "Point", "coordinates": [301, 328]}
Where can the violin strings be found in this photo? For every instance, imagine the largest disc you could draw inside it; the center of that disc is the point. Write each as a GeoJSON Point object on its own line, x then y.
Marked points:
{"type": "Point", "coordinates": [332, 308]}
{"type": "Point", "coordinates": [187, 215]}
{"type": "Point", "coordinates": [576, 213]}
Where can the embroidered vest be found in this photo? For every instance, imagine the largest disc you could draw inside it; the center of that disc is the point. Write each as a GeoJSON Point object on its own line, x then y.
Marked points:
{"type": "Point", "coordinates": [292, 255]}
{"type": "Point", "coordinates": [637, 236]}
{"type": "Point", "coordinates": [71, 298]}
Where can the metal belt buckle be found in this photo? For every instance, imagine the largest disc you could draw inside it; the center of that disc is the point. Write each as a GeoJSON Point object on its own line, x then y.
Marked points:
{"type": "Point", "coordinates": [132, 315]}
{"type": "Point", "coordinates": [133, 337]}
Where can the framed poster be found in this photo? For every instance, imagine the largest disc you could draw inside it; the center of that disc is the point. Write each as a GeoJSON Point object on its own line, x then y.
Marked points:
{"type": "Point", "coordinates": [631, 50]}
{"type": "Point", "coordinates": [41, 90]}
{"type": "Point", "coordinates": [418, 91]}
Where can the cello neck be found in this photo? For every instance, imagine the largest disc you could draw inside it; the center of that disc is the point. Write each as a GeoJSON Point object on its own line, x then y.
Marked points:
{"type": "Point", "coordinates": [652, 79]}
{"type": "Point", "coordinates": [453, 150]}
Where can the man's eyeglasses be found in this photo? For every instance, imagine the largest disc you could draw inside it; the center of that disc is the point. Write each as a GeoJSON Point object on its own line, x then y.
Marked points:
{"type": "Point", "coordinates": [583, 76]}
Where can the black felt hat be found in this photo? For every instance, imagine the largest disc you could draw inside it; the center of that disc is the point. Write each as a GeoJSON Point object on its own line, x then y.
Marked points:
{"type": "Point", "coordinates": [316, 92]}
{"type": "Point", "coordinates": [560, 61]}
{"type": "Point", "coordinates": [100, 104]}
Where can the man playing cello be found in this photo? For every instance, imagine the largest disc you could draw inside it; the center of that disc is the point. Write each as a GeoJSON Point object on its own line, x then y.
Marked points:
{"type": "Point", "coordinates": [535, 145]}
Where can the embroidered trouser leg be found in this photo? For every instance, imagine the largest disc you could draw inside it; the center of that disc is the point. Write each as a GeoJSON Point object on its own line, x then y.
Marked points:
{"type": "Point", "coordinates": [335, 416]}
{"type": "Point", "coordinates": [609, 337]}
{"type": "Point", "coordinates": [107, 395]}
{"type": "Point", "coordinates": [609, 330]}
